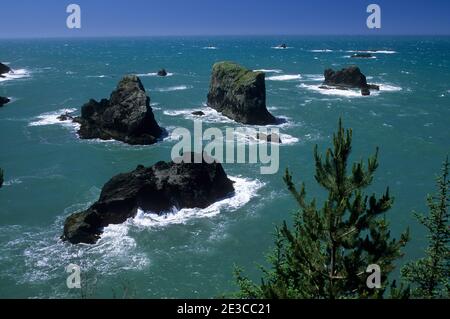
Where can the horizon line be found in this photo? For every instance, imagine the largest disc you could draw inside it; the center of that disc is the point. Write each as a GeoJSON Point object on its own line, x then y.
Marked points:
{"type": "Point", "coordinates": [220, 35]}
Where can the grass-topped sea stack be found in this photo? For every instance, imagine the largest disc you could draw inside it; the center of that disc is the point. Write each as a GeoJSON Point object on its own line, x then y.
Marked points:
{"type": "Point", "coordinates": [239, 94]}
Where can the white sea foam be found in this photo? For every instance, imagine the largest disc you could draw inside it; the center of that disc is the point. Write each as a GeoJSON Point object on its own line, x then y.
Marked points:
{"type": "Point", "coordinates": [269, 71]}
{"type": "Point", "coordinates": [249, 136]}
{"type": "Point", "coordinates": [97, 76]}
{"type": "Point", "coordinates": [389, 87]}
{"type": "Point", "coordinates": [211, 115]}
{"type": "Point", "coordinates": [356, 57]}
{"type": "Point", "coordinates": [152, 74]}
{"type": "Point", "coordinates": [173, 88]}
{"type": "Point", "coordinates": [281, 48]}
{"type": "Point", "coordinates": [15, 74]}
{"type": "Point", "coordinates": [373, 51]}
{"type": "Point", "coordinates": [321, 51]}
{"type": "Point", "coordinates": [51, 118]}
{"type": "Point", "coordinates": [245, 190]}
{"type": "Point", "coordinates": [286, 77]}
{"type": "Point", "coordinates": [313, 77]}
{"type": "Point", "coordinates": [331, 91]}
{"type": "Point", "coordinates": [210, 48]}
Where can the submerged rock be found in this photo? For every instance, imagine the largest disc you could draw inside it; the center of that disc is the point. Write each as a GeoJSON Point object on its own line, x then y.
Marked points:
{"type": "Point", "coordinates": [4, 100]}
{"type": "Point", "coordinates": [350, 77]}
{"type": "Point", "coordinates": [65, 117]}
{"type": "Point", "coordinates": [270, 138]}
{"type": "Point", "coordinates": [157, 189]}
{"type": "Point", "coordinates": [198, 113]}
{"type": "Point", "coordinates": [126, 116]}
{"type": "Point", "coordinates": [162, 72]}
{"type": "Point", "coordinates": [239, 94]}
{"type": "Point", "coordinates": [362, 55]}
{"type": "Point", "coordinates": [4, 69]}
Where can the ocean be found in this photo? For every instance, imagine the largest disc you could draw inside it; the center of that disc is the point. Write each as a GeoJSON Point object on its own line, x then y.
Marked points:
{"type": "Point", "coordinates": [50, 173]}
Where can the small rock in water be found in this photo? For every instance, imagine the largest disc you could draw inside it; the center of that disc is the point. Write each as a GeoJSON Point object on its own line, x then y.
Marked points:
{"type": "Point", "coordinates": [65, 117]}
{"type": "Point", "coordinates": [198, 113]}
{"type": "Point", "coordinates": [365, 91]}
{"type": "Point", "coordinates": [362, 55]}
{"type": "Point", "coordinates": [348, 78]}
{"type": "Point", "coordinates": [162, 72]}
{"type": "Point", "coordinates": [271, 138]}
{"type": "Point", "coordinates": [4, 69]}
{"type": "Point", "coordinates": [4, 100]}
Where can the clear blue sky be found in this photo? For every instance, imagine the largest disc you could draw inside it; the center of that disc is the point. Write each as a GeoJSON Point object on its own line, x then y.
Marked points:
{"type": "Point", "coordinates": [47, 18]}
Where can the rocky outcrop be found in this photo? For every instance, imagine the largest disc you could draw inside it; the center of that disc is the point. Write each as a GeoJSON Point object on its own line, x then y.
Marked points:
{"type": "Point", "coordinates": [269, 138]}
{"type": "Point", "coordinates": [347, 78]}
{"type": "Point", "coordinates": [4, 100]}
{"type": "Point", "coordinates": [239, 94]}
{"type": "Point", "coordinates": [198, 113]}
{"type": "Point", "coordinates": [4, 69]}
{"type": "Point", "coordinates": [162, 72]}
{"type": "Point", "coordinates": [126, 116]}
{"type": "Point", "coordinates": [157, 189]}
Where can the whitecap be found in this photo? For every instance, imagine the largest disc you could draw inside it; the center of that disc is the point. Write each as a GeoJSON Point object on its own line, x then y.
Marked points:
{"type": "Point", "coordinates": [313, 77]}
{"type": "Point", "coordinates": [210, 48]}
{"type": "Point", "coordinates": [97, 76]}
{"type": "Point", "coordinates": [269, 71]}
{"type": "Point", "coordinates": [373, 51]}
{"type": "Point", "coordinates": [281, 48]}
{"type": "Point", "coordinates": [286, 77]}
{"type": "Point", "coordinates": [389, 87]}
{"type": "Point", "coordinates": [321, 51]}
{"type": "Point", "coordinates": [173, 88]}
{"type": "Point", "coordinates": [152, 74]}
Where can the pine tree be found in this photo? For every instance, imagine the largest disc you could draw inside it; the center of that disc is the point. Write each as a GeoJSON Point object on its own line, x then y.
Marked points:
{"type": "Point", "coordinates": [1, 178]}
{"type": "Point", "coordinates": [325, 254]}
{"type": "Point", "coordinates": [429, 276]}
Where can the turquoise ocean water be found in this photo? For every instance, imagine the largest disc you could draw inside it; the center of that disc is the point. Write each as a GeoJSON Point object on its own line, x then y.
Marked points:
{"type": "Point", "coordinates": [50, 173]}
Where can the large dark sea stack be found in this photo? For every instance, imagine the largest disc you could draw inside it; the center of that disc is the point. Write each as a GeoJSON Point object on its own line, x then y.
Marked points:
{"type": "Point", "coordinates": [350, 77]}
{"type": "Point", "coordinates": [126, 116]}
{"type": "Point", "coordinates": [3, 100]}
{"type": "Point", "coordinates": [158, 189]}
{"type": "Point", "coordinates": [239, 94]}
{"type": "Point", "coordinates": [4, 69]}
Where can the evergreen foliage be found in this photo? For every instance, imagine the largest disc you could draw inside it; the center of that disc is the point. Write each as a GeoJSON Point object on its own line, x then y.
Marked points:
{"type": "Point", "coordinates": [326, 252]}
{"type": "Point", "coordinates": [429, 276]}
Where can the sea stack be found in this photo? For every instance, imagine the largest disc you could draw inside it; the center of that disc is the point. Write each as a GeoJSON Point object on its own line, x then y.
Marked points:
{"type": "Point", "coordinates": [348, 78]}
{"type": "Point", "coordinates": [4, 69]}
{"type": "Point", "coordinates": [4, 100]}
{"type": "Point", "coordinates": [126, 116]}
{"type": "Point", "coordinates": [157, 189]}
{"type": "Point", "coordinates": [239, 94]}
